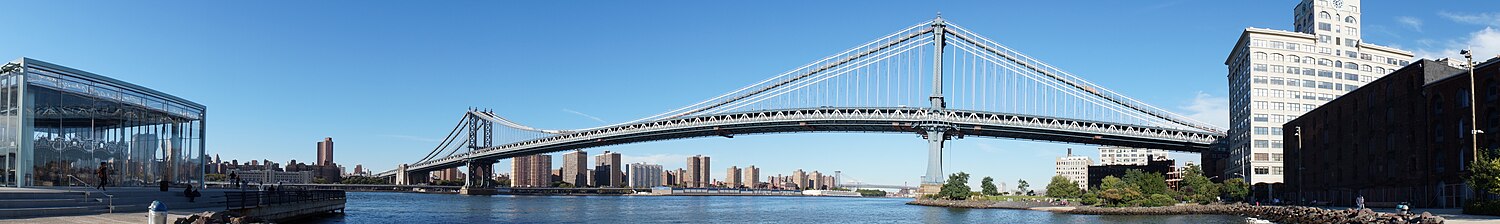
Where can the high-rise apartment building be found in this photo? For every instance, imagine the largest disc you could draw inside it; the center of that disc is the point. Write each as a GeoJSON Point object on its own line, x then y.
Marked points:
{"type": "Point", "coordinates": [732, 177]}
{"type": "Point", "coordinates": [531, 171]}
{"type": "Point", "coordinates": [1112, 155]}
{"type": "Point", "coordinates": [643, 175]}
{"type": "Point", "coordinates": [575, 168]}
{"type": "Point", "coordinates": [815, 180]}
{"type": "Point", "coordinates": [799, 179]}
{"type": "Point", "coordinates": [750, 177]}
{"type": "Point", "coordinates": [698, 174]}
{"type": "Point", "coordinates": [325, 152]}
{"type": "Point", "coordinates": [1276, 76]}
{"type": "Point", "coordinates": [1075, 168]}
{"type": "Point", "coordinates": [607, 170]}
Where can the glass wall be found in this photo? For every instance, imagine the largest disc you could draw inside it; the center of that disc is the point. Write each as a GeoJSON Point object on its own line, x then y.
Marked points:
{"type": "Point", "coordinates": [75, 123]}
{"type": "Point", "coordinates": [10, 128]}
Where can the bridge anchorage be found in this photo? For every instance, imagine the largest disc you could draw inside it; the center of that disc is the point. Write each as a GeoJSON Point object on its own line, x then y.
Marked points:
{"type": "Point", "coordinates": [967, 85]}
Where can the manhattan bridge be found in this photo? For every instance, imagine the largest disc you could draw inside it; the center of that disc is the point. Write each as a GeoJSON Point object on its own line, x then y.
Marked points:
{"type": "Point", "coordinates": [935, 79]}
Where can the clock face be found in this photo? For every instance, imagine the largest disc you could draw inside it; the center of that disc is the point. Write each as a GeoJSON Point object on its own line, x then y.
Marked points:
{"type": "Point", "coordinates": [1338, 3]}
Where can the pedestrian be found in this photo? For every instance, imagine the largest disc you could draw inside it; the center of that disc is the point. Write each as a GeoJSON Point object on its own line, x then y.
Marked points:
{"type": "Point", "coordinates": [235, 177]}
{"type": "Point", "coordinates": [190, 193]}
{"type": "Point", "coordinates": [103, 175]}
{"type": "Point", "coordinates": [1360, 201]}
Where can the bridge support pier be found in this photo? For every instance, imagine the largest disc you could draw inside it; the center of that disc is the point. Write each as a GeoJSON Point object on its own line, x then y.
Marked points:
{"type": "Point", "coordinates": [402, 178]}
{"type": "Point", "coordinates": [933, 181]}
{"type": "Point", "coordinates": [478, 180]}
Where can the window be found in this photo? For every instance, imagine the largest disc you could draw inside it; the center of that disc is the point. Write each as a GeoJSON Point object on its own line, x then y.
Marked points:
{"type": "Point", "coordinates": [1260, 67]}
{"type": "Point", "coordinates": [1276, 157]}
{"type": "Point", "coordinates": [1325, 62]}
{"type": "Point", "coordinates": [1293, 58]}
{"type": "Point", "coordinates": [1308, 71]}
{"type": "Point", "coordinates": [1293, 83]}
{"type": "Point", "coordinates": [1350, 54]}
{"type": "Point", "coordinates": [1260, 117]}
{"type": "Point", "coordinates": [1276, 170]}
{"type": "Point", "coordinates": [1259, 79]}
{"type": "Point", "coordinates": [1261, 131]}
{"type": "Point", "coordinates": [1324, 15]}
{"type": "Point", "coordinates": [1349, 19]}
{"type": "Point", "coordinates": [1275, 131]}
{"type": "Point", "coordinates": [1463, 98]}
{"type": "Point", "coordinates": [1260, 56]}
{"type": "Point", "coordinates": [1325, 26]}
{"type": "Point", "coordinates": [1275, 144]}
{"type": "Point", "coordinates": [1293, 70]}
{"type": "Point", "coordinates": [1324, 39]}
{"type": "Point", "coordinates": [1262, 170]}
{"type": "Point", "coordinates": [1262, 144]}
{"type": "Point", "coordinates": [1261, 157]}
{"type": "Point", "coordinates": [1325, 85]}
{"type": "Point", "coordinates": [1351, 77]}
{"type": "Point", "coordinates": [1325, 73]}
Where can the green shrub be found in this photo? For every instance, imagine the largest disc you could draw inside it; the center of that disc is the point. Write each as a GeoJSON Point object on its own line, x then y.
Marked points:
{"type": "Point", "coordinates": [1482, 207]}
{"type": "Point", "coordinates": [1089, 199]}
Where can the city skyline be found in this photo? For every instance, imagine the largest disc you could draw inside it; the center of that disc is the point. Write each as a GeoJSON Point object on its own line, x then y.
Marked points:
{"type": "Point", "coordinates": [382, 142]}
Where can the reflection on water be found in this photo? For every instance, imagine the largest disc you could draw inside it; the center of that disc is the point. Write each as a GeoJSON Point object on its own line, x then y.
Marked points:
{"type": "Point", "coordinates": [365, 207]}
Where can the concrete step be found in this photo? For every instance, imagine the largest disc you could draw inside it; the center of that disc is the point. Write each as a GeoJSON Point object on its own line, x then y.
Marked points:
{"type": "Point", "coordinates": [40, 195]}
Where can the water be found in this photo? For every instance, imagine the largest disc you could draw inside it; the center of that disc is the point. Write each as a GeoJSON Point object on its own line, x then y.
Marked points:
{"type": "Point", "coordinates": [373, 207]}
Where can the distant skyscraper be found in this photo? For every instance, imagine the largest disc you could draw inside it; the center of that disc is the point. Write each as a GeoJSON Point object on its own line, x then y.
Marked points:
{"type": "Point", "coordinates": [609, 165]}
{"type": "Point", "coordinates": [750, 176]}
{"type": "Point", "coordinates": [815, 180]}
{"type": "Point", "coordinates": [1075, 168]}
{"type": "Point", "coordinates": [574, 167]}
{"type": "Point", "coordinates": [698, 171]}
{"type": "Point", "coordinates": [531, 171]}
{"type": "Point", "coordinates": [1275, 76]}
{"type": "Point", "coordinates": [644, 175]}
{"type": "Point", "coordinates": [799, 178]}
{"type": "Point", "coordinates": [325, 152]}
{"type": "Point", "coordinates": [732, 177]}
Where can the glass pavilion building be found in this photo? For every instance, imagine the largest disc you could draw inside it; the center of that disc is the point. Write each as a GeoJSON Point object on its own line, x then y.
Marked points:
{"type": "Point", "coordinates": [58, 125]}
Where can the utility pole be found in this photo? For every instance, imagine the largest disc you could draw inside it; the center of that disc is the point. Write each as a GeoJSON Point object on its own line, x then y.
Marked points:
{"type": "Point", "coordinates": [1473, 115]}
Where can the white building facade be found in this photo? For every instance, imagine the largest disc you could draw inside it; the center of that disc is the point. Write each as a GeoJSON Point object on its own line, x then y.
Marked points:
{"type": "Point", "coordinates": [1275, 76]}
{"type": "Point", "coordinates": [1111, 155]}
{"type": "Point", "coordinates": [1073, 167]}
{"type": "Point", "coordinates": [643, 175]}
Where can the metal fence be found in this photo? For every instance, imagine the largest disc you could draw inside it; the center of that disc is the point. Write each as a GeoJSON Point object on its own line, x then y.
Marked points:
{"type": "Point", "coordinates": [252, 199]}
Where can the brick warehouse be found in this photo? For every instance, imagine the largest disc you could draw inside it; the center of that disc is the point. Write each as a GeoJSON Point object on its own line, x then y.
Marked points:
{"type": "Point", "coordinates": [1401, 138]}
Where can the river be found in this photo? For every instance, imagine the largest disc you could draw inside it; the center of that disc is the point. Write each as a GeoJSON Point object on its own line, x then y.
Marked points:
{"type": "Point", "coordinates": [380, 207]}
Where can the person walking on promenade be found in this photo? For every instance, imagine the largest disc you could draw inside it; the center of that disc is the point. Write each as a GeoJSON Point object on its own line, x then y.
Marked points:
{"type": "Point", "coordinates": [103, 173]}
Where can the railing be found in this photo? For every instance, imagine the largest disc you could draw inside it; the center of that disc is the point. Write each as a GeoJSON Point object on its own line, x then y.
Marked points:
{"type": "Point", "coordinates": [252, 199]}
{"type": "Point", "coordinates": [111, 197]}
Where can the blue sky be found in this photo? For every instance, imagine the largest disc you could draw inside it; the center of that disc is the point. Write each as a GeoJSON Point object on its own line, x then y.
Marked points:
{"type": "Point", "coordinates": [387, 79]}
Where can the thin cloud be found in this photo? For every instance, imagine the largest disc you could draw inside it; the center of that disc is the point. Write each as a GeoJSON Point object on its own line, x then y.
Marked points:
{"type": "Point", "coordinates": [1484, 44]}
{"type": "Point", "coordinates": [412, 138]}
{"type": "Point", "coordinates": [1488, 19]}
{"type": "Point", "coordinates": [1410, 22]}
{"type": "Point", "coordinates": [591, 117]}
{"type": "Point", "coordinates": [1209, 108]}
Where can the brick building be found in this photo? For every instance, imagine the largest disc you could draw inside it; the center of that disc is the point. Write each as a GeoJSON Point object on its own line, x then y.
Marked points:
{"type": "Point", "coordinates": [1402, 138]}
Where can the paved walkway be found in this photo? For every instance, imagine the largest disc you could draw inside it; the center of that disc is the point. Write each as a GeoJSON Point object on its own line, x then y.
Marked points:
{"type": "Point", "coordinates": [133, 218]}
{"type": "Point", "coordinates": [1451, 215]}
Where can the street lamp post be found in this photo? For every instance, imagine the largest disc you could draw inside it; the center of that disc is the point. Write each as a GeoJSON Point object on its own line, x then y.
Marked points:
{"type": "Point", "coordinates": [1473, 115]}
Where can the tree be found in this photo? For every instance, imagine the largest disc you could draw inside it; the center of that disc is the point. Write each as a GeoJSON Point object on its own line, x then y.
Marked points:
{"type": "Point", "coordinates": [988, 186]}
{"type": "Point", "coordinates": [1062, 187]}
{"type": "Point", "coordinates": [957, 187]}
{"type": "Point", "coordinates": [215, 177]}
{"type": "Point", "coordinates": [1021, 186]}
{"type": "Point", "coordinates": [1236, 189]}
{"type": "Point", "coordinates": [1147, 183]}
{"type": "Point", "coordinates": [1116, 192]}
{"type": "Point", "coordinates": [871, 193]}
{"type": "Point", "coordinates": [1485, 173]}
{"type": "Point", "coordinates": [320, 180]}
{"type": "Point", "coordinates": [1196, 187]}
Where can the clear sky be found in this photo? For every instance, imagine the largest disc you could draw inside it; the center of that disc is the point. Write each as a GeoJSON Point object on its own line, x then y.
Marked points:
{"type": "Point", "coordinates": [386, 80]}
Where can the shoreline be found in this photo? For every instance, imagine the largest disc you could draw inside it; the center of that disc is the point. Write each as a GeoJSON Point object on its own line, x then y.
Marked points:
{"type": "Point", "coordinates": [1280, 214]}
